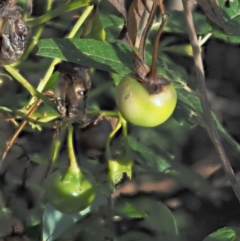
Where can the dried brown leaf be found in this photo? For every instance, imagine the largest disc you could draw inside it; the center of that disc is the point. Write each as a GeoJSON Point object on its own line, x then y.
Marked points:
{"type": "Point", "coordinates": [134, 16]}
{"type": "Point", "coordinates": [121, 6]}
{"type": "Point", "coordinates": [213, 11]}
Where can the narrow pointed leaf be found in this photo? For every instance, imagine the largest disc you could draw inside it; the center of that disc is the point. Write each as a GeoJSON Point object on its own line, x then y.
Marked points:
{"type": "Point", "coordinates": [213, 11]}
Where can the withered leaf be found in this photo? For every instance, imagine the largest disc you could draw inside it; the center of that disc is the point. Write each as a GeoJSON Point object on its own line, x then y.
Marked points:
{"type": "Point", "coordinates": [134, 17]}
{"type": "Point", "coordinates": [121, 6]}
{"type": "Point", "coordinates": [213, 11]}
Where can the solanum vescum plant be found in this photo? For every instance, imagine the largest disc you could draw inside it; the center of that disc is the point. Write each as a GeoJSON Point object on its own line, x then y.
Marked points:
{"type": "Point", "coordinates": [105, 120]}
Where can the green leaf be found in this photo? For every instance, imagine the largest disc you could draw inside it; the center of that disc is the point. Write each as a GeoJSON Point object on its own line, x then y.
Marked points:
{"type": "Point", "coordinates": [231, 15]}
{"type": "Point", "coordinates": [212, 10]}
{"type": "Point", "coordinates": [224, 234]}
{"type": "Point", "coordinates": [109, 20]}
{"type": "Point", "coordinates": [110, 57]}
{"type": "Point", "coordinates": [156, 216]}
{"type": "Point", "coordinates": [231, 19]}
{"type": "Point", "coordinates": [127, 210]}
{"type": "Point", "coordinates": [112, 25]}
{"type": "Point", "coordinates": [107, 56]}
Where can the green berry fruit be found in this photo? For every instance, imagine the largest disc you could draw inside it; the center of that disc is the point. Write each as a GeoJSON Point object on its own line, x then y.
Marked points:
{"type": "Point", "coordinates": [139, 107]}
{"type": "Point", "coordinates": [70, 191]}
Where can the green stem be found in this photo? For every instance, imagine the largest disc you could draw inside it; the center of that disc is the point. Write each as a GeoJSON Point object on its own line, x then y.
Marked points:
{"type": "Point", "coordinates": [74, 30]}
{"type": "Point", "coordinates": [125, 135]}
{"type": "Point", "coordinates": [18, 114]}
{"type": "Point", "coordinates": [57, 141]}
{"type": "Point", "coordinates": [20, 79]}
{"type": "Point", "coordinates": [47, 76]}
{"type": "Point", "coordinates": [204, 39]}
{"type": "Point", "coordinates": [67, 7]}
{"type": "Point", "coordinates": [56, 148]}
{"type": "Point", "coordinates": [73, 166]}
{"type": "Point", "coordinates": [104, 113]}
{"type": "Point", "coordinates": [80, 21]}
{"type": "Point", "coordinates": [111, 135]}
{"type": "Point", "coordinates": [27, 85]}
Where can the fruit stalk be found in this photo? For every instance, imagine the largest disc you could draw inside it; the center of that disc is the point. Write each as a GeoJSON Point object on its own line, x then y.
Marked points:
{"type": "Point", "coordinates": [57, 141]}
{"type": "Point", "coordinates": [125, 135]}
{"type": "Point", "coordinates": [73, 165]}
{"type": "Point", "coordinates": [111, 135]}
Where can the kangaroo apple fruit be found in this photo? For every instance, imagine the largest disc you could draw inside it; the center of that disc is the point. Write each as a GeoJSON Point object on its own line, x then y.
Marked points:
{"type": "Point", "coordinates": [139, 107]}
{"type": "Point", "coordinates": [70, 191]}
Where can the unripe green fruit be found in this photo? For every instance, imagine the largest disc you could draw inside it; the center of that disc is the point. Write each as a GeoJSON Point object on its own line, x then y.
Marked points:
{"type": "Point", "coordinates": [70, 191]}
{"type": "Point", "coordinates": [139, 107]}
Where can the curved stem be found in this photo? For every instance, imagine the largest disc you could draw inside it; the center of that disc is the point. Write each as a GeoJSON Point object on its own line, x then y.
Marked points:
{"type": "Point", "coordinates": [27, 85]}
{"type": "Point", "coordinates": [125, 135]}
{"type": "Point", "coordinates": [73, 165]}
{"type": "Point", "coordinates": [111, 135]}
{"type": "Point", "coordinates": [146, 31]}
{"type": "Point", "coordinates": [153, 73]}
{"type": "Point", "coordinates": [212, 130]}
{"type": "Point", "coordinates": [67, 7]}
{"type": "Point", "coordinates": [57, 141]}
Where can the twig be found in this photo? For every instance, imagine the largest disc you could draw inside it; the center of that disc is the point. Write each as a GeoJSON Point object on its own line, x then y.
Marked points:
{"type": "Point", "coordinates": [203, 40]}
{"type": "Point", "coordinates": [211, 127]}
{"type": "Point", "coordinates": [20, 128]}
